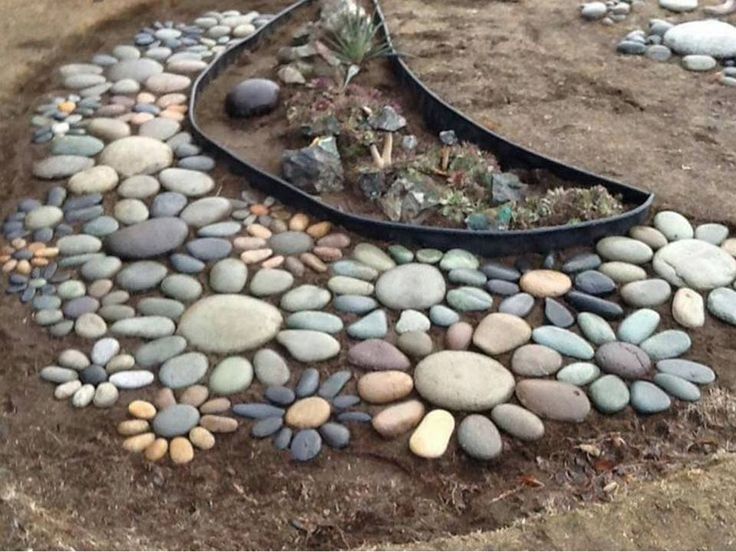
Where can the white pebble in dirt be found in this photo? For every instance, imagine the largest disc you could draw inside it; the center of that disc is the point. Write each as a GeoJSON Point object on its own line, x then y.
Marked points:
{"type": "Point", "coordinates": [708, 37]}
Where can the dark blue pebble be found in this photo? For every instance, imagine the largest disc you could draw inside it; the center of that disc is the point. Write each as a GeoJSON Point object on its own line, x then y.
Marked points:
{"type": "Point", "coordinates": [16, 234]}
{"type": "Point", "coordinates": [280, 395]}
{"type": "Point", "coordinates": [146, 108]}
{"type": "Point", "coordinates": [63, 230]}
{"type": "Point", "coordinates": [498, 271]}
{"type": "Point", "coordinates": [42, 136]}
{"type": "Point", "coordinates": [335, 435]}
{"type": "Point", "coordinates": [557, 314]}
{"type": "Point", "coordinates": [282, 439]}
{"type": "Point", "coordinates": [306, 445]}
{"type": "Point", "coordinates": [186, 264]}
{"type": "Point", "coordinates": [359, 417]}
{"type": "Point", "coordinates": [502, 287]}
{"type": "Point", "coordinates": [48, 289]}
{"type": "Point", "coordinates": [27, 205]}
{"type": "Point", "coordinates": [200, 163]}
{"type": "Point", "coordinates": [209, 249]}
{"type": "Point", "coordinates": [308, 383]}
{"type": "Point", "coordinates": [80, 202]}
{"type": "Point", "coordinates": [594, 283]}
{"type": "Point", "coordinates": [23, 255]}
{"type": "Point", "coordinates": [345, 401]}
{"type": "Point", "coordinates": [43, 235]}
{"type": "Point", "coordinates": [84, 215]}
{"type": "Point", "coordinates": [49, 271]}
{"type": "Point", "coordinates": [93, 374]}
{"type": "Point", "coordinates": [582, 262]}
{"type": "Point", "coordinates": [15, 288]}
{"type": "Point", "coordinates": [12, 226]}
{"type": "Point", "coordinates": [16, 278]}
{"type": "Point", "coordinates": [56, 196]}
{"type": "Point", "coordinates": [28, 294]}
{"type": "Point", "coordinates": [334, 384]}
{"type": "Point", "coordinates": [257, 411]}
{"type": "Point", "coordinates": [590, 303]}
{"type": "Point", "coordinates": [60, 277]}
{"type": "Point", "coordinates": [267, 427]}
{"type": "Point", "coordinates": [168, 204]}
{"type": "Point", "coordinates": [550, 260]}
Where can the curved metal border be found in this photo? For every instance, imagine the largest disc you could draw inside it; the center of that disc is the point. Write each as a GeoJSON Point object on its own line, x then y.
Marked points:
{"type": "Point", "coordinates": [438, 115]}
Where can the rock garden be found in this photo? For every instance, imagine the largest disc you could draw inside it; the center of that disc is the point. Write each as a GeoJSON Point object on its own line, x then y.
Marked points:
{"type": "Point", "coordinates": [190, 311]}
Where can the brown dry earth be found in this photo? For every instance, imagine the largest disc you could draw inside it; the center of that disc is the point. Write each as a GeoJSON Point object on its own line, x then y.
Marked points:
{"type": "Point", "coordinates": [534, 72]}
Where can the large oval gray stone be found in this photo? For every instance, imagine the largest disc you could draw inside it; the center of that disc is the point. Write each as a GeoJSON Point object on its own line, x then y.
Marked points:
{"type": "Point", "coordinates": [147, 239]}
{"type": "Point", "coordinates": [696, 264]}
{"type": "Point", "coordinates": [463, 380]}
{"type": "Point", "coordinates": [411, 286]}
{"type": "Point", "coordinates": [229, 323]}
{"type": "Point", "coordinates": [137, 155]}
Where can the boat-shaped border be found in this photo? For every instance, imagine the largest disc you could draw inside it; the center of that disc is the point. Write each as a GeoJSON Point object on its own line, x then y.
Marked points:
{"type": "Point", "coordinates": [438, 115]}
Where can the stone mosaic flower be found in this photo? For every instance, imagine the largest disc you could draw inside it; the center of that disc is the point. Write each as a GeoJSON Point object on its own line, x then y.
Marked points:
{"type": "Point", "coordinates": [300, 419]}
{"type": "Point", "coordinates": [176, 427]}
{"type": "Point", "coordinates": [97, 378]}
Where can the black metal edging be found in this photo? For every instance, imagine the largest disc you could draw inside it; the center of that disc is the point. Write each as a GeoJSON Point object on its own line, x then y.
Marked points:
{"type": "Point", "coordinates": [438, 115]}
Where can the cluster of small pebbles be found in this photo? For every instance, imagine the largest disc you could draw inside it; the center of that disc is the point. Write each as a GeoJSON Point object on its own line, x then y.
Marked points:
{"type": "Point", "coordinates": [213, 294]}
{"type": "Point", "coordinates": [610, 12]}
{"type": "Point", "coordinates": [176, 426]}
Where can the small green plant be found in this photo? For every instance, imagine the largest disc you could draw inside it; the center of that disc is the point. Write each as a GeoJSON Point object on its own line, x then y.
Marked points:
{"type": "Point", "coordinates": [356, 40]}
{"type": "Point", "coordinates": [456, 206]}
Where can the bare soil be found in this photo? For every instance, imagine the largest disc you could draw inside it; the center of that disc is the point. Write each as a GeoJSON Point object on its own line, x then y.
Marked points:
{"type": "Point", "coordinates": [535, 72]}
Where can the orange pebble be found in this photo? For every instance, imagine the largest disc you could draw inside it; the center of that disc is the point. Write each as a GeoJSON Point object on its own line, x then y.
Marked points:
{"type": "Point", "coordinates": [35, 246]}
{"type": "Point", "coordinates": [10, 265]}
{"type": "Point", "coordinates": [273, 262]}
{"type": "Point", "coordinates": [67, 107]}
{"type": "Point", "coordinates": [259, 209]}
{"type": "Point", "coordinates": [24, 267]}
{"type": "Point", "coordinates": [173, 115]}
{"type": "Point", "coordinates": [4, 258]}
{"type": "Point", "coordinates": [39, 261]}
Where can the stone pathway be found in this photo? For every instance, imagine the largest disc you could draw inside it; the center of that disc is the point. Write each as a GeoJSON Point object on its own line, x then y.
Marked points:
{"type": "Point", "coordinates": [220, 295]}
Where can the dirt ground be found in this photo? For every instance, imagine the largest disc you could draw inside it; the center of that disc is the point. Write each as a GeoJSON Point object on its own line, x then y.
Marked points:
{"type": "Point", "coordinates": [532, 71]}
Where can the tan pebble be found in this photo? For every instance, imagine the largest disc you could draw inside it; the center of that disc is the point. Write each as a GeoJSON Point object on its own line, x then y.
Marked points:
{"type": "Point", "coordinates": [36, 246]}
{"type": "Point", "coordinates": [218, 424]}
{"type": "Point", "coordinates": [143, 410]}
{"type": "Point", "coordinates": [177, 108]}
{"type": "Point", "coordinates": [120, 363]}
{"type": "Point", "coordinates": [501, 332]}
{"type": "Point", "coordinates": [133, 427]}
{"type": "Point", "coordinates": [312, 261]}
{"type": "Point", "coordinates": [399, 418]}
{"type": "Point", "coordinates": [170, 99]}
{"type": "Point", "coordinates": [48, 252]}
{"type": "Point", "coordinates": [4, 258]}
{"type": "Point", "coordinates": [201, 438]}
{"type": "Point", "coordinates": [8, 250]}
{"type": "Point", "coordinates": [255, 255]}
{"type": "Point", "coordinates": [688, 309]}
{"type": "Point", "coordinates": [273, 262]}
{"type": "Point", "coordinates": [215, 406]}
{"type": "Point", "coordinates": [138, 443]}
{"type": "Point", "coordinates": [295, 266]}
{"type": "Point", "coordinates": [729, 246]}
{"type": "Point", "coordinates": [145, 97]}
{"type": "Point", "coordinates": [431, 437]}
{"type": "Point", "coordinates": [10, 265]}
{"type": "Point", "coordinates": [24, 267]}
{"type": "Point", "coordinates": [458, 336]}
{"type": "Point", "coordinates": [339, 241]}
{"type": "Point", "coordinates": [278, 226]}
{"type": "Point", "coordinates": [18, 243]}
{"type": "Point", "coordinates": [99, 288]}
{"type": "Point", "coordinates": [327, 254]}
{"type": "Point", "coordinates": [140, 118]}
{"type": "Point", "coordinates": [194, 395]}
{"type": "Point", "coordinates": [650, 236]}
{"type": "Point", "coordinates": [320, 229]}
{"type": "Point", "coordinates": [67, 390]}
{"type": "Point", "coordinates": [299, 222]}
{"type": "Point", "coordinates": [66, 107]}
{"type": "Point", "coordinates": [181, 451]}
{"type": "Point", "coordinates": [39, 261]}
{"type": "Point", "coordinates": [170, 114]}
{"type": "Point", "coordinates": [385, 386]}
{"type": "Point", "coordinates": [249, 243]}
{"type": "Point", "coordinates": [164, 398]}
{"type": "Point", "coordinates": [259, 210]}
{"type": "Point", "coordinates": [259, 231]}
{"type": "Point", "coordinates": [156, 450]}
{"type": "Point", "coordinates": [545, 283]}
{"type": "Point", "coordinates": [308, 413]}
